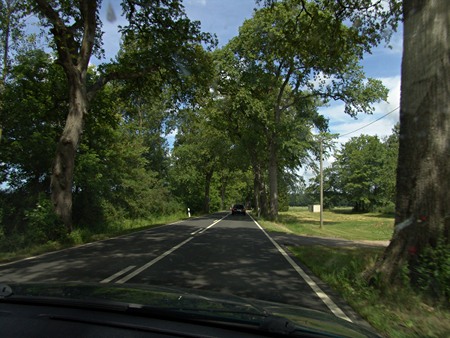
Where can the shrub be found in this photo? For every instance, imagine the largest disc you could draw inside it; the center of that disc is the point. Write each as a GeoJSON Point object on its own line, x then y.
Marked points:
{"type": "Point", "coordinates": [388, 209]}
{"type": "Point", "coordinates": [433, 269]}
{"type": "Point", "coordinates": [42, 224]}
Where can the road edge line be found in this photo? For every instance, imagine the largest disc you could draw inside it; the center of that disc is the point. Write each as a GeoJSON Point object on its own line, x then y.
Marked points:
{"type": "Point", "coordinates": [336, 310]}
{"type": "Point", "coordinates": [90, 243]}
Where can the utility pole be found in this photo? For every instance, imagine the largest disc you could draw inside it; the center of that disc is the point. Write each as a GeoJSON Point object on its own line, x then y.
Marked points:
{"type": "Point", "coordinates": [321, 182]}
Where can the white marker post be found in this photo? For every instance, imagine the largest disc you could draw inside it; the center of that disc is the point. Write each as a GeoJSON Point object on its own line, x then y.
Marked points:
{"type": "Point", "coordinates": [189, 212]}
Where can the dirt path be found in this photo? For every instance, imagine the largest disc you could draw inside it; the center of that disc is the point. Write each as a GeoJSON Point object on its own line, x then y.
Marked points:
{"type": "Point", "coordinates": [296, 240]}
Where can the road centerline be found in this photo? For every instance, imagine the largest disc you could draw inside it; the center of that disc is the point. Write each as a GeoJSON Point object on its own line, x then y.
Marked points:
{"type": "Point", "coordinates": [196, 231]}
{"type": "Point", "coordinates": [118, 274]}
{"type": "Point", "coordinates": [153, 261]}
{"type": "Point", "coordinates": [157, 259]}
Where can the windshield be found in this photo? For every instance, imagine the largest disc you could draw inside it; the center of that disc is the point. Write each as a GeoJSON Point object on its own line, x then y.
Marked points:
{"type": "Point", "coordinates": [267, 151]}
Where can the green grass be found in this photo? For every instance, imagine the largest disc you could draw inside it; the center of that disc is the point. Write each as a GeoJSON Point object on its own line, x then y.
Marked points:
{"type": "Point", "coordinates": [16, 249]}
{"type": "Point", "coordinates": [339, 223]}
{"type": "Point", "coordinates": [397, 313]}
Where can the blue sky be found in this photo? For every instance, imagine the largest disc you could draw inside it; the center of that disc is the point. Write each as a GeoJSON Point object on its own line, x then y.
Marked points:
{"type": "Point", "coordinates": [224, 17]}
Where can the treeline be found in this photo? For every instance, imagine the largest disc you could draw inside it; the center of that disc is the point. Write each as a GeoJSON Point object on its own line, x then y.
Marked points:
{"type": "Point", "coordinates": [85, 146]}
{"type": "Point", "coordinates": [363, 175]}
{"type": "Point", "coordinates": [122, 162]}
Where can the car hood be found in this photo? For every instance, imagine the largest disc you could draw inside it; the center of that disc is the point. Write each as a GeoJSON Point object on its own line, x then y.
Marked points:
{"type": "Point", "coordinates": [144, 299]}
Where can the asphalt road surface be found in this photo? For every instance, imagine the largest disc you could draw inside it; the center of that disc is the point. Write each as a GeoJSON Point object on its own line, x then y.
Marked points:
{"type": "Point", "coordinates": [220, 252]}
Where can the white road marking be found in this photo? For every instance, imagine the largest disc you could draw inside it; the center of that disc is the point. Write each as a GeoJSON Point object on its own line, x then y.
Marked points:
{"type": "Point", "coordinates": [149, 264]}
{"type": "Point", "coordinates": [89, 244]}
{"type": "Point", "coordinates": [203, 230]}
{"type": "Point", "coordinates": [168, 252]}
{"type": "Point", "coordinates": [196, 231]}
{"type": "Point", "coordinates": [117, 274]}
{"type": "Point", "coordinates": [214, 223]}
{"type": "Point", "coordinates": [321, 294]}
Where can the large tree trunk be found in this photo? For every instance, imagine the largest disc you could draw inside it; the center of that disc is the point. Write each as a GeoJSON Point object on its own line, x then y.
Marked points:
{"type": "Point", "coordinates": [256, 205]}
{"type": "Point", "coordinates": [208, 179]}
{"type": "Point", "coordinates": [260, 191]}
{"type": "Point", "coordinates": [8, 10]}
{"type": "Point", "coordinates": [64, 163]}
{"type": "Point", "coordinates": [273, 178]}
{"type": "Point", "coordinates": [423, 174]}
{"type": "Point", "coordinates": [222, 196]}
{"type": "Point", "coordinates": [73, 55]}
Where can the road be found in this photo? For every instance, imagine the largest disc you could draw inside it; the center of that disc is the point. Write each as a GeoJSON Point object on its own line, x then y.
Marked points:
{"type": "Point", "coordinates": [219, 252]}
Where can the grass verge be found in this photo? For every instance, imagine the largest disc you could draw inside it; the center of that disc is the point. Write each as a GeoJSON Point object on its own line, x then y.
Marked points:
{"type": "Point", "coordinates": [397, 313]}
{"type": "Point", "coordinates": [80, 235]}
{"type": "Point", "coordinates": [394, 313]}
{"type": "Point", "coordinates": [338, 223]}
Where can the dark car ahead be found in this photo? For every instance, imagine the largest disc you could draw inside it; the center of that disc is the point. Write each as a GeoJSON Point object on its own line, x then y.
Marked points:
{"type": "Point", "coordinates": [238, 209]}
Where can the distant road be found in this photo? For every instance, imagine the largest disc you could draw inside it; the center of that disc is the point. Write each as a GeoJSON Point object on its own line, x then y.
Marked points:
{"type": "Point", "coordinates": [219, 252]}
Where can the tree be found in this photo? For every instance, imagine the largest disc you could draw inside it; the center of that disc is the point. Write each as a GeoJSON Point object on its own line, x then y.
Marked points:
{"type": "Point", "coordinates": [200, 150]}
{"type": "Point", "coordinates": [153, 54]}
{"type": "Point", "coordinates": [298, 193]}
{"type": "Point", "coordinates": [362, 166]}
{"type": "Point", "coordinates": [389, 181]}
{"type": "Point", "coordinates": [423, 175]}
{"type": "Point", "coordinates": [32, 113]}
{"type": "Point", "coordinates": [302, 55]}
{"type": "Point", "coordinates": [332, 193]}
{"type": "Point", "coordinates": [11, 31]}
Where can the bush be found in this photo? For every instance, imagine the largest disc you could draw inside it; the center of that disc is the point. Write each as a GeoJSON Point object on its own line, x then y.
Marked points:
{"type": "Point", "coordinates": [433, 269]}
{"type": "Point", "coordinates": [43, 225]}
{"type": "Point", "coordinates": [388, 209]}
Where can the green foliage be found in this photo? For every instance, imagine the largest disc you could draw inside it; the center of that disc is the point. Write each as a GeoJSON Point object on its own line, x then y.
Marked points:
{"type": "Point", "coordinates": [35, 93]}
{"type": "Point", "coordinates": [28, 224]}
{"type": "Point", "coordinates": [433, 270]}
{"type": "Point", "coordinates": [120, 162]}
{"type": "Point", "coordinates": [363, 174]}
{"type": "Point", "coordinates": [394, 312]}
{"type": "Point", "coordinates": [288, 60]}
{"type": "Point", "coordinates": [207, 168]}
{"type": "Point", "coordinates": [43, 224]}
{"type": "Point", "coordinates": [264, 92]}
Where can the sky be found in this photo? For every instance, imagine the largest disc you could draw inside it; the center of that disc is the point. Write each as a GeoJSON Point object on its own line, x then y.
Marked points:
{"type": "Point", "coordinates": [224, 17]}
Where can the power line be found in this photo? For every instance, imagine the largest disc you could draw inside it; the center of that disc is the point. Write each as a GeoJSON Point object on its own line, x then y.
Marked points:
{"type": "Point", "coordinates": [378, 119]}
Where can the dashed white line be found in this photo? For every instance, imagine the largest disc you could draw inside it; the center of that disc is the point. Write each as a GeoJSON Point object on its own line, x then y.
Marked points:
{"type": "Point", "coordinates": [117, 274]}
{"type": "Point", "coordinates": [149, 264]}
{"type": "Point", "coordinates": [203, 230]}
{"type": "Point", "coordinates": [196, 231]}
{"type": "Point", "coordinates": [168, 252]}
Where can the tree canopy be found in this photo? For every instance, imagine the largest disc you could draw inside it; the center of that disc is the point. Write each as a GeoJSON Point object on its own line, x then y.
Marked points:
{"type": "Point", "coordinates": [362, 174]}
{"type": "Point", "coordinates": [242, 116]}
